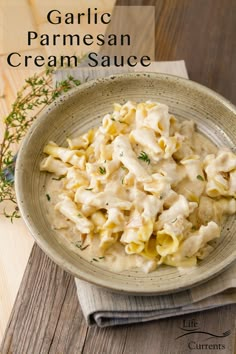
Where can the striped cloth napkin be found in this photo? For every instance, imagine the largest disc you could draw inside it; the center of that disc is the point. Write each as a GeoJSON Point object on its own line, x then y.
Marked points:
{"type": "Point", "coordinates": [106, 308]}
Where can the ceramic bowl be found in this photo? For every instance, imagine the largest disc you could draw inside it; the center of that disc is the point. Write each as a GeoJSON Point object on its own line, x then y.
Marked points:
{"type": "Point", "coordinates": [84, 108]}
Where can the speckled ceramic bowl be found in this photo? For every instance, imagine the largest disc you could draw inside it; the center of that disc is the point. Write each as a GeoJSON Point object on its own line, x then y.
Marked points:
{"type": "Point", "coordinates": [84, 108]}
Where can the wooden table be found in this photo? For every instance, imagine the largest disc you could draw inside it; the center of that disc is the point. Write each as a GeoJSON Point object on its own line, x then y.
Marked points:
{"type": "Point", "coordinates": [47, 317]}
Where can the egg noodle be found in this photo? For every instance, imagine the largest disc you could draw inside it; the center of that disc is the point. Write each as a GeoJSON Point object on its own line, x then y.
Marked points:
{"type": "Point", "coordinates": [144, 181]}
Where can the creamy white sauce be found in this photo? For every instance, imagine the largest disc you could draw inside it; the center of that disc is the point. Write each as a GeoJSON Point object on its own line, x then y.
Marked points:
{"type": "Point", "coordinates": [202, 145]}
{"type": "Point", "coordinates": [115, 259]}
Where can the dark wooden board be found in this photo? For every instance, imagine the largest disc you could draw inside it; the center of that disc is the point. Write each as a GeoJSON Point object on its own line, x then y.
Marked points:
{"type": "Point", "coordinates": [203, 33]}
{"type": "Point", "coordinates": [46, 317]}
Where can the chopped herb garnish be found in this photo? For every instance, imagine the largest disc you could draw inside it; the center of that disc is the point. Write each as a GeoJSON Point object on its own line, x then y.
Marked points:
{"type": "Point", "coordinates": [84, 248]}
{"type": "Point", "coordinates": [48, 197]}
{"type": "Point", "coordinates": [113, 119]}
{"type": "Point", "coordinates": [58, 179]}
{"type": "Point", "coordinates": [122, 181]}
{"type": "Point", "coordinates": [143, 156]}
{"type": "Point", "coordinates": [161, 196]}
{"type": "Point", "coordinates": [101, 257]}
{"type": "Point", "coordinates": [174, 220]}
{"type": "Point", "coordinates": [79, 215]}
{"type": "Point", "coordinates": [124, 168]}
{"type": "Point", "coordinates": [102, 170]}
{"type": "Point", "coordinates": [122, 154]}
{"type": "Point", "coordinates": [88, 189]}
{"type": "Point", "coordinates": [78, 244]}
{"type": "Point", "coordinates": [200, 178]}
{"type": "Point", "coordinates": [105, 161]}
{"type": "Point", "coordinates": [94, 259]}
{"type": "Point", "coordinates": [194, 227]}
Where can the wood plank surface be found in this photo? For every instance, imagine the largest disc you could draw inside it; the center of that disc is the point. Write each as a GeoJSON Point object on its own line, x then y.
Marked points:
{"type": "Point", "coordinates": [15, 241]}
{"type": "Point", "coordinates": [202, 32]}
{"type": "Point", "coordinates": [47, 317]}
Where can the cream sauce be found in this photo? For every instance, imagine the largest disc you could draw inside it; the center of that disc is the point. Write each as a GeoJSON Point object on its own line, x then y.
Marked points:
{"type": "Point", "coordinates": [115, 259]}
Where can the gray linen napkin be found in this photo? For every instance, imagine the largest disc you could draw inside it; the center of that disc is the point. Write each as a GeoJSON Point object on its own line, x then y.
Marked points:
{"type": "Point", "coordinates": [106, 308]}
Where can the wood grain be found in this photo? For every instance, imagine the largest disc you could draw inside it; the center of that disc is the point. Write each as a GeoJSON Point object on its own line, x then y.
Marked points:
{"type": "Point", "coordinates": [202, 32]}
{"type": "Point", "coordinates": [15, 242]}
{"type": "Point", "coordinates": [47, 296]}
{"type": "Point", "coordinates": [47, 318]}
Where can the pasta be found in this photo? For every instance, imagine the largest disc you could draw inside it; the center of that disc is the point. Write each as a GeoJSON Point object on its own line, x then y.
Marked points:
{"type": "Point", "coordinates": [139, 189]}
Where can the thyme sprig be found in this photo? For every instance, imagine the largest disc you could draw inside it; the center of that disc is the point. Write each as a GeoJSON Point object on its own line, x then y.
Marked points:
{"type": "Point", "coordinates": [37, 92]}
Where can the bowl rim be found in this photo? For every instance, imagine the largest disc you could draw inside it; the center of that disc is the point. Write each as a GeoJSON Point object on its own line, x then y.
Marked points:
{"type": "Point", "coordinates": [45, 246]}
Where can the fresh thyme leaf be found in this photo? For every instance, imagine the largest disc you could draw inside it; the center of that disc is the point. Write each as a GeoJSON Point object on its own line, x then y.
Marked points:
{"type": "Point", "coordinates": [79, 215]}
{"type": "Point", "coordinates": [13, 215]}
{"type": "Point", "coordinates": [48, 197]}
{"type": "Point", "coordinates": [173, 221]}
{"type": "Point", "coordinates": [200, 178]}
{"type": "Point", "coordinates": [88, 189]}
{"type": "Point", "coordinates": [113, 119]}
{"type": "Point", "coordinates": [102, 170]}
{"type": "Point", "coordinates": [58, 179]}
{"type": "Point", "coordinates": [101, 257]}
{"type": "Point", "coordinates": [94, 259]}
{"type": "Point", "coordinates": [36, 93]}
{"type": "Point", "coordinates": [122, 181]}
{"type": "Point", "coordinates": [78, 244]}
{"type": "Point", "coordinates": [124, 168]}
{"type": "Point", "coordinates": [84, 248]}
{"type": "Point", "coordinates": [143, 156]}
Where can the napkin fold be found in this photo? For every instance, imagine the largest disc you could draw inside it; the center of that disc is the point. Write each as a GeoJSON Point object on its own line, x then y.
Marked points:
{"type": "Point", "coordinates": [106, 308]}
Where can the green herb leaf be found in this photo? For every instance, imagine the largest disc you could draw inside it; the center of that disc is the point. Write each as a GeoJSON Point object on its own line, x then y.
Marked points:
{"type": "Point", "coordinates": [78, 244]}
{"type": "Point", "coordinates": [48, 197]}
{"type": "Point", "coordinates": [58, 179]}
{"type": "Point", "coordinates": [84, 248]}
{"type": "Point", "coordinates": [200, 178]}
{"type": "Point", "coordinates": [102, 170]}
{"type": "Point", "coordinates": [88, 189]}
{"type": "Point", "coordinates": [95, 260]}
{"type": "Point", "coordinates": [36, 93]}
{"type": "Point", "coordinates": [79, 215]}
{"type": "Point", "coordinates": [143, 156]}
{"type": "Point", "coordinates": [101, 257]}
